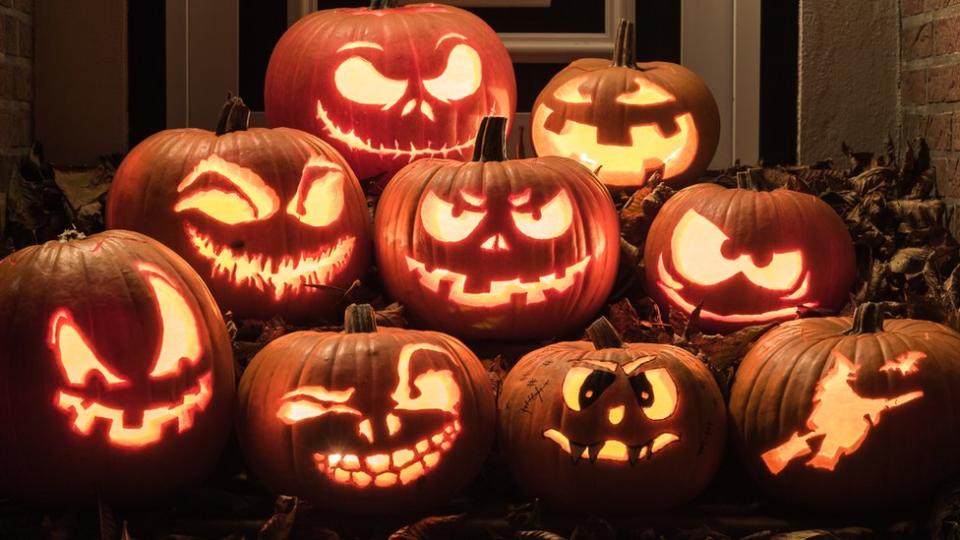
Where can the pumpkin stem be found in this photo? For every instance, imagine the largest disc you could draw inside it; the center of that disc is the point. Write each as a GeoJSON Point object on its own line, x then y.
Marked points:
{"type": "Point", "coordinates": [491, 139]}
{"type": "Point", "coordinates": [625, 46]}
{"type": "Point", "coordinates": [381, 4]}
{"type": "Point", "coordinates": [867, 319]}
{"type": "Point", "coordinates": [234, 116]}
{"type": "Point", "coordinates": [359, 319]}
{"type": "Point", "coordinates": [603, 335]}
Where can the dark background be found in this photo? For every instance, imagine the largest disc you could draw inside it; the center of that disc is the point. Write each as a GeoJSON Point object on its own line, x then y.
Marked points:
{"type": "Point", "coordinates": [658, 38]}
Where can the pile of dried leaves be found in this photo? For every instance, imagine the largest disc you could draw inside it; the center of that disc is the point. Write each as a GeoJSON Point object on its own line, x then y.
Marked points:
{"type": "Point", "coordinates": [906, 257]}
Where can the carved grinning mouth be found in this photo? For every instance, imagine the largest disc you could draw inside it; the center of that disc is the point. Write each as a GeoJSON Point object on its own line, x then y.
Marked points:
{"type": "Point", "coordinates": [611, 450]}
{"type": "Point", "coordinates": [354, 141]}
{"type": "Point", "coordinates": [402, 466]}
{"type": "Point", "coordinates": [150, 430]}
{"type": "Point", "coordinates": [499, 292]}
{"type": "Point", "coordinates": [287, 275]}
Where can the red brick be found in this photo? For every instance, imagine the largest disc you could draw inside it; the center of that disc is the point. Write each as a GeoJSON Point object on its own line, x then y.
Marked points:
{"type": "Point", "coordinates": [911, 127]}
{"type": "Point", "coordinates": [955, 130]}
{"type": "Point", "coordinates": [948, 176]}
{"type": "Point", "coordinates": [943, 84]}
{"type": "Point", "coordinates": [918, 41]}
{"type": "Point", "coordinates": [937, 131]}
{"type": "Point", "coordinates": [25, 6]}
{"type": "Point", "coordinates": [24, 131]}
{"type": "Point", "coordinates": [946, 36]}
{"type": "Point", "coordinates": [26, 40]}
{"type": "Point", "coordinates": [930, 5]}
{"type": "Point", "coordinates": [913, 87]}
{"type": "Point", "coordinates": [11, 35]}
{"type": "Point", "coordinates": [22, 83]}
{"type": "Point", "coordinates": [8, 129]}
{"type": "Point", "coordinates": [8, 3]}
{"type": "Point", "coordinates": [911, 7]}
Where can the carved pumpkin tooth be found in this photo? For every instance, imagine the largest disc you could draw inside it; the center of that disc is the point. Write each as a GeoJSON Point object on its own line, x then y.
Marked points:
{"type": "Point", "coordinates": [423, 446]}
{"type": "Point", "coordinates": [402, 457]}
{"type": "Point", "coordinates": [341, 475]}
{"type": "Point", "coordinates": [577, 451]}
{"type": "Point", "coordinates": [361, 479]}
{"type": "Point", "coordinates": [593, 451]}
{"type": "Point", "coordinates": [633, 454]}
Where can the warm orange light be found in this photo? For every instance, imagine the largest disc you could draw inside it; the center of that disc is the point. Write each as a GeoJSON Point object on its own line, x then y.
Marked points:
{"type": "Point", "coordinates": [441, 222]}
{"type": "Point", "coordinates": [461, 77]}
{"type": "Point", "coordinates": [252, 199]}
{"type": "Point", "coordinates": [365, 429]}
{"type": "Point", "coordinates": [615, 414]}
{"type": "Point", "coordinates": [496, 242]}
{"type": "Point", "coordinates": [179, 332]}
{"type": "Point", "coordinates": [664, 394]}
{"type": "Point", "coordinates": [75, 355]}
{"type": "Point", "coordinates": [307, 402]}
{"type": "Point", "coordinates": [554, 219]}
{"type": "Point", "coordinates": [319, 199]}
{"type": "Point", "coordinates": [572, 383]}
{"type": "Point", "coordinates": [393, 424]}
{"type": "Point", "coordinates": [840, 416]}
{"type": "Point", "coordinates": [437, 389]}
{"type": "Point", "coordinates": [612, 450]}
{"type": "Point", "coordinates": [358, 80]}
{"type": "Point", "coordinates": [647, 93]}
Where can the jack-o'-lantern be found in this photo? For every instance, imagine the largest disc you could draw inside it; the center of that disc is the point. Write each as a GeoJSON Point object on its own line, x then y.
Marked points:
{"type": "Point", "coordinates": [747, 256]}
{"type": "Point", "coordinates": [850, 414]}
{"type": "Point", "coordinates": [273, 219]}
{"type": "Point", "coordinates": [388, 85]}
{"type": "Point", "coordinates": [605, 427]}
{"type": "Point", "coordinates": [116, 369]}
{"type": "Point", "coordinates": [627, 118]}
{"type": "Point", "coordinates": [517, 249]}
{"type": "Point", "coordinates": [368, 421]}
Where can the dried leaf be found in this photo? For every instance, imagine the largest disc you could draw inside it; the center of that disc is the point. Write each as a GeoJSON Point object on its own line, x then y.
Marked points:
{"type": "Point", "coordinates": [280, 524]}
{"type": "Point", "coordinates": [392, 316]}
{"type": "Point", "coordinates": [430, 528]}
{"type": "Point", "coordinates": [638, 213]}
{"type": "Point", "coordinates": [538, 535]}
{"type": "Point", "coordinates": [109, 528]}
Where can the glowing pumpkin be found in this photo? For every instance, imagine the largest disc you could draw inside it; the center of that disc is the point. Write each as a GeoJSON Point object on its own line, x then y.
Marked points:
{"type": "Point", "coordinates": [274, 220]}
{"type": "Point", "coordinates": [628, 118]}
{"type": "Point", "coordinates": [116, 369]}
{"type": "Point", "coordinates": [367, 421]}
{"type": "Point", "coordinates": [748, 257]}
{"type": "Point", "coordinates": [607, 427]}
{"type": "Point", "coordinates": [495, 248]}
{"type": "Point", "coordinates": [388, 85]}
{"type": "Point", "coordinates": [850, 414]}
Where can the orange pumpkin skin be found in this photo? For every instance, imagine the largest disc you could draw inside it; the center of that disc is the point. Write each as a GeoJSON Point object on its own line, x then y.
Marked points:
{"type": "Point", "coordinates": [628, 118]}
{"type": "Point", "coordinates": [749, 257]}
{"type": "Point", "coordinates": [535, 410]}
{"type": "Point", "coordinates": [158, 410]}
{"type": "Point", "coordinates": [495, 248]}
{"type": "Point", "coordinates": [836, 419]}
{"type": "Point", "coordinates": [283, 234]}
{"type": "Point", "coordinates": [389, 85]}
{"type": "Point", "coordinates": [368, 421]}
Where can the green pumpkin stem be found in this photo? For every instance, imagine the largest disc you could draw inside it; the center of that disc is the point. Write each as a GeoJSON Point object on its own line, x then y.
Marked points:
{"type": "Point", "coordinates": [867, 319]}
{"type": "Point", "coordinates": [625, 45]}
{"type": "Point", "coordinates": [491, 139]}
{"type": "Point", "coordinates": [359, 319]}
{"type": "Point", "coordinates": [234, 116]}
{"type": "Point", "coordinates": [603, 335]}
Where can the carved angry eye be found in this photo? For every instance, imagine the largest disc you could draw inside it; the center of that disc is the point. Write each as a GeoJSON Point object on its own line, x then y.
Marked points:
{"type": "Point", "coordinates": [656, 393]}
{"type": "Point", "coordinates": [550, 221]}
{"type": "Point", "coordinates": [582, 386]}
{"type": "Point", "coordinates": [443, 223]}
{"type": "Point", "coordinates": [569, 92]}
{"type": "Point", "coordinates": [461, 78]}
{"type": "Point", "coordinates": [438, 390]}
{"type": "Point", "coordinates": [230, 193]}
{"type": "Point", "coordinates": [319, 198]}
{"type": "Point", "coordinates": [309, 402]}
{"type": "Point", "coordinates": [358, 80]}
{"type": "Point", "coordinates": [696, 248]}
{"type": "Point", "coordinates": [647, 93]}
{"type": "Point", "coordinates": [179, 337]}
{"type": "Point", "coordinates": [75, 355]}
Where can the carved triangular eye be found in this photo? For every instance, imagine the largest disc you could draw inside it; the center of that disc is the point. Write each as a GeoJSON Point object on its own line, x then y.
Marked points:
{"type": "Point", "coordinates": [179, 335]}
{"type": "Point", "coordinates": [461, 78]}
{"type": "Point", "coordinates": [442, 222]}
{"type": "Point", "coordinates": [75, 355]}
{"type": "Point", "coordinates": [319, 199]}
{"type": "Point", "coordinates": [360, 81]}
{"type": "Point", "coordinates": [228, 193]}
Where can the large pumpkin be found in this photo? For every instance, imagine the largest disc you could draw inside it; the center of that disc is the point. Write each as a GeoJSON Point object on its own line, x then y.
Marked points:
{"type": "Point", "coordinates": [273, 219]}
{"type": "Point", "coordinates": [747, 256]}
{"type": "Point", "coordinates": [499, 249]}
{"type": "Point", "coordinates": [606, 427]}
{"type": "Point", "coordinates": [850, 414]}
{"type": "Point", "coordinates": [115, 367]}
{"type": "Point", "coordinates": [388, 85]}
{"type": "Point", "coordinates": [368, 421]}
{"type": "Point", "coordinates": [628, 118]}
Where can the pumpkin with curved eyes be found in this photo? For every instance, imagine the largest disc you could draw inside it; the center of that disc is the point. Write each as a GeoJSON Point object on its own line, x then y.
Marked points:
{"type": "Point", "coordinates": [273, 219]}
{"type": "Point", "coordinates": [747, 256]}
{"type": "Point", "coordinates": [498, 249]}
{"type": "Point", "coordinates": [605, 427]}
{"type": "Point", "coordinates": [367, 421]}
{"type": "Point", "coordinates": [628, 118]}
{"type": "Point", "coordinates": [388, 85]}
{"type": "Point", "coordinates": [115, 367]}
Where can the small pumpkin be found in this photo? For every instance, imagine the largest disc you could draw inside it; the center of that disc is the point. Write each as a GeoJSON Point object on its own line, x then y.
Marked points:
{"type": "Point", "coordinates": [606, 427]}
{"type": "Point", "coordinates": [390, 84]}
{"type": "Point", "coordinates": [368, 421]}
{"type": "Point", "coordinates": [853, 414]}
{"type": "Point", "coordinates": [273, 219]}
{"type": "Point", "coordinates": [628, 118]}
{"type": "Point", "coordinates": [497, 248]}
{"type": "Point", "coordinates": [116, 369]}
{"type": "Point", "coordinates": [747, 256]}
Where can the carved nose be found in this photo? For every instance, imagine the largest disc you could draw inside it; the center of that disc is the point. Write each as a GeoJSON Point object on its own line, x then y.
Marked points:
{"type": "Point", "coordinates": [496, 243]}
{"type": "Point", "coordinates": [615, 414]}
{"type": "Point", "coordinates": [425, 109]}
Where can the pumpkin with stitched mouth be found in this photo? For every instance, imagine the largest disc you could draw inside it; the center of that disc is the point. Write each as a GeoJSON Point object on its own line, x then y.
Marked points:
{"type": "Point", "coordinates": [605, 427]}
{"type": "Point", "coordinates": [747, 256]}
{"type": "Point", "coordinates": [627, 118]}
{"type": "Point", "coordinates": [273, 219]}
{"type": "Point", "coordinates": [116, 368]}
{"type": "Point", "coordinates": [386, 85]}
{"type": "Point", "coordinates": [368, 421]}
{"type": "Point", "coordinates": [497, 248]}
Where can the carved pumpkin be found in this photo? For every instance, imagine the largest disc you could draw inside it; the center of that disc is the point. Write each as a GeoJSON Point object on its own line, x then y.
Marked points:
{"type": "Point", "coordinates": [628, 118]}
{"type": "Point", "coordinates": [116, 368]}
{"type": "Point", "coordinates": [852, 414]}
{"type": "Point", "coordinates": [495, 248]}
{"type": "Point", "coordinates": [388, 85]}
{"type": "Point", "coordinates": [606, 427]}
{"type": "Point", "coordinates": [366, 421]}
{"type": "Point", "coordinates": [748, 257]}
{"type": "Point", "coordinates": [273, 219]}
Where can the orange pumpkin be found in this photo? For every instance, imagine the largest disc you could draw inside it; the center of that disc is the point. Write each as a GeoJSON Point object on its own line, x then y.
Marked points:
{"type": "Point", "coordinates": [628, 118]}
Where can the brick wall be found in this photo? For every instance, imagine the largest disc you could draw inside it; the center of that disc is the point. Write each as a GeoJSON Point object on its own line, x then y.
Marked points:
{"type": "Point", "coordinates": [16, 84]}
